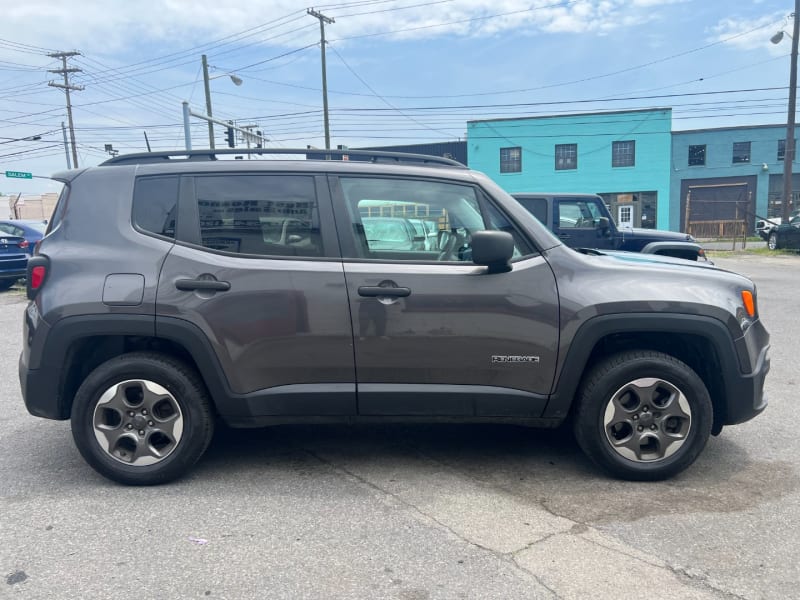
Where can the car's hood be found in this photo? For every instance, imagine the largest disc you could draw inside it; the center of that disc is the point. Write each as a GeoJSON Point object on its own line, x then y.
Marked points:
{"type": "Point", "coordinates": [656, 234]}
{"type": "Point", "coordinates": [638, 258]}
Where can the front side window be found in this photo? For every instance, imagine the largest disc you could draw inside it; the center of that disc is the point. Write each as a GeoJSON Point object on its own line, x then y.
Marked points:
{"type": "Point", "coordinates": [417, 220]}
{"type": "Point", "coordinates": [155, 204]}
{"type": "Point", "coordinates": [272, 215]}
{"type": "Point", "coordinates": [697, 155]}
{"type": "Point", "coordinates": [573, 213]}
{"type": "Point", "coordinates": [566, 156]}
{"type": "Point", "coordinates": [511, 160]}
{"type": "Point", "coordinates": [741, 152]}
{"type": "Point", "coordinates": [623, 154]}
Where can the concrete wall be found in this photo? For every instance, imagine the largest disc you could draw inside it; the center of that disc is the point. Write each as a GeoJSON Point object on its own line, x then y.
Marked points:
{"type": "Point", "coordinates": [32, 207]}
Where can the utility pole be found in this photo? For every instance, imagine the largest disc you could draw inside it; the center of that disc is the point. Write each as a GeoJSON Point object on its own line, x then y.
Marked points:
{"type": "Point", "coordinates": [67, 87]}
{"type": "Point", "coordinates": [208, 103]}
{"type": "Point", "coordinates": [322, 20]}
{"type": "Point", "coordinates": [66, 144]}
{"type": "Point", "coordinates": [789, 146]}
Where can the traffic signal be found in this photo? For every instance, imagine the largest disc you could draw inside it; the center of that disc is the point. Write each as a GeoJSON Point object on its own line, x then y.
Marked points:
{"type": "Point", "coordinates": [259, 140]}
{"type": "Point", "coordinates": [230, 136]}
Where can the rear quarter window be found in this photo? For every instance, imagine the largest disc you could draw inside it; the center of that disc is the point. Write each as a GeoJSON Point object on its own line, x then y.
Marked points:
{"type": "Point", "coordinates": [155, 203]}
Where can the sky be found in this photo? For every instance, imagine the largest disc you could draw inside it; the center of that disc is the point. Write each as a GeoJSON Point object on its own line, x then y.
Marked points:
{"type": "Point", "coordinates": [398, 71]}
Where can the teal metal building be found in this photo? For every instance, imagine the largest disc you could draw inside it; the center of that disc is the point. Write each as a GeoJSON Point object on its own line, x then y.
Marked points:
{"type": "Point", "coordinates": [728, 173]}
{"type": "Point", "coordinates": [624, 156]}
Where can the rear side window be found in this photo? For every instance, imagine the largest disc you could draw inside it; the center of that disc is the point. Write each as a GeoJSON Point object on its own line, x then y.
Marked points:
{"type": "Point", "coordinates": [155, 202]}
{"type": "Point", "coordinates": [60, 209]}
{"type": "Point", "coordinates": [536, 206]}
{"type": "Point", "coordinates": [271, 215]}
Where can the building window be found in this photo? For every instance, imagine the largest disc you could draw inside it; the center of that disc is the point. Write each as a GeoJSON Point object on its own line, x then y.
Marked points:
{"type": "Point", "coordinates": [697, 155]}
{"type": "Point", "coordinates": [566, 156]}
{"type": "Point", "coordinates": [782, 149]}
{"type": "Point", "coordinates": [741, 152]}
{"type": "Point", "coordinates": [623, 154]}
{"type": "Point", "coordinates": [511, 160]}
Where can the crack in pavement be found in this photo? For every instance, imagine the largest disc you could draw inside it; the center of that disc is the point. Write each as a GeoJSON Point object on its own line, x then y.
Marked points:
{"type": "Point", "coordinates": [505, 557]}
{"type": "Point", "coordinates": [578, 527]}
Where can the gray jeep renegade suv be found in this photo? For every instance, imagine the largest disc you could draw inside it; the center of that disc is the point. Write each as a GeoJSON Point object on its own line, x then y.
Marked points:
{"type": "Point", "coordinates": [174, 290]}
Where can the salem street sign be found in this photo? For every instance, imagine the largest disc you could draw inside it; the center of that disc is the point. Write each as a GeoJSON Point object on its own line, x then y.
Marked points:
{"type": "Point", "coordinates": [19, 175]}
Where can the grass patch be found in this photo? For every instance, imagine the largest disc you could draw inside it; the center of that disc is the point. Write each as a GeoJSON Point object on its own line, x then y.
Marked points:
{"type": "Point", "coordinates": [763, 251]}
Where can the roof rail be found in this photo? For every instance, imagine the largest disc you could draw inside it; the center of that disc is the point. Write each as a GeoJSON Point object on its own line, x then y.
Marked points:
{"type": "Point", "coordinates": [353, 155]}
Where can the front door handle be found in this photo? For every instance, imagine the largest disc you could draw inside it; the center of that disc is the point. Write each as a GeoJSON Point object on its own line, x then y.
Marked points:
{"type": "Point", "coordinates": [375, 291]}
{"type": "Point", "coordinates": [189, 285]}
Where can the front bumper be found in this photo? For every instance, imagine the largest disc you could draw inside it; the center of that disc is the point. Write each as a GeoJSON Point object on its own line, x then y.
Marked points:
{"type": "Point", "coordinates": [746, 397]}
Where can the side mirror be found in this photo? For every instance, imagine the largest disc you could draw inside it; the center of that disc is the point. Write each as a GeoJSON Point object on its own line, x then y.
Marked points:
{"type": "Point", "coordinates": [493, 249]}
{"type": "Point", "coordinates": [602, 225]}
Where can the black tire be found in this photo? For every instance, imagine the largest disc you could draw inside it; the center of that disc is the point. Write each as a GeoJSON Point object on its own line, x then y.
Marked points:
{"type": "Point", "coordinates": [632, 417]}
{"type": "Point", "coordinates": [772, 241]}
{"type": "Point", "coordinates": [112, 434]}
{"type": "Point", "coordinates": [6, 284]}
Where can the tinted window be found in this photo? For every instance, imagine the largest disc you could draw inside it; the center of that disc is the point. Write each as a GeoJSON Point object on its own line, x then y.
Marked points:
{"type": "Point", "coordinates": [697, 156]}
{"type": "Point", "coordinates": [536, 206]}
{"type": "Point", "coordinates": [623, 154]}
{"type": "Point", "coordinates": [275, 215]}
{"type": "Point", "coordinates": [511, 160]}
{"type": "Point", "coordinates": [386, 215]}
{"type": "Point", "coordinates": [741, 152]}
{"type": "Point", "coordinates": [566, 156]}
{"type": "Point", "coordinates": [155, 201]}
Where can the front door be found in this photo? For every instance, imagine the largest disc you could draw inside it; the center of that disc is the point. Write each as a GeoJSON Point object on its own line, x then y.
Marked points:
{"type": "Point", "coordinates": [257, 270]}
{"type": "Point", "coordinates": [435, 334]}
{"type": "Point", "coordinates": [625, 216]}
{"type": "Point", "coordinates": [576, 220]}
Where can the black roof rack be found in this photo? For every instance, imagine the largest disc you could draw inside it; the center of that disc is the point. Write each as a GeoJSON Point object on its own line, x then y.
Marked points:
{"type": "Point", "coordinates": [310, 154]}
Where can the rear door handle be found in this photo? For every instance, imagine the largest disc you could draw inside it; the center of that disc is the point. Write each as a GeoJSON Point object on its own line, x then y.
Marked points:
{"type": "Point", "coordinates": [376, 291]}
{"type": "Point", "coordinates": [189, 285]}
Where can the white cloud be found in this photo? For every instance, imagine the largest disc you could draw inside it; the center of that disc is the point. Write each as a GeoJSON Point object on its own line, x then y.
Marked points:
{"type": "Point", "coordinates": [749, 34]}
{"type": "Point", "coordinates": [103, 27]}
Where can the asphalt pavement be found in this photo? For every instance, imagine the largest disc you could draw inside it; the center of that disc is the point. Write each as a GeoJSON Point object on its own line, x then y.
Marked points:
{"type": "Point", "coordinates": [411, 512]}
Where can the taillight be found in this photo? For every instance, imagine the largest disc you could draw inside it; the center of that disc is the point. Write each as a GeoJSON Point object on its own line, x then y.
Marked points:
{"type": "Point", "coordinates": [37, 277]}
{"type": "Point", "coordinates": [37, 274]}
{"type": "Point", "coordinates": [24, 244]}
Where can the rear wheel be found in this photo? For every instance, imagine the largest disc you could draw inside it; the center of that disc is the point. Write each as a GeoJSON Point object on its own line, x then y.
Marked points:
{"type": "Point", "coordinates": [643, 415]}
{"type": "Point", "coordinates": [142, 418]}
{"type": "Point", "coordinates": [772, 241]}
{"type": "Point", "coordinates": [6, 284]}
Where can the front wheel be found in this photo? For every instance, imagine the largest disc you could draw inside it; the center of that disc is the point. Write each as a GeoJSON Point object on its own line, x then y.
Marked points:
{"type": "Point", "coordinates": [772, 241]}
{"type": "Point", "coordinates": [142, 418]}
{"type": "Point", "coordinates": [643, 415]}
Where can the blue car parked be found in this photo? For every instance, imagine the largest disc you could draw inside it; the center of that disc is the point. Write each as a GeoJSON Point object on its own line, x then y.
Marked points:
{"type": "Point", "coordinates": [31, 230]}
{"type": "Point", "coordinates": [17, 241]}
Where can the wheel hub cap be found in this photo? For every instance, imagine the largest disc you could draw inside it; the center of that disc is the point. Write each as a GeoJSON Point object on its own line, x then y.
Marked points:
{"type": "Point", "coordinates": [138, 422]}
{"type": "Point", "coordinates": [647, 420]}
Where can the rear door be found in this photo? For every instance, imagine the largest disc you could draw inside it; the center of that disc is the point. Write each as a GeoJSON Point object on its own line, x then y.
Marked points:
{"type": "Point", "coordinates": [436, 334]}
{"type": "Point", "coordinates": [256, 269]}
